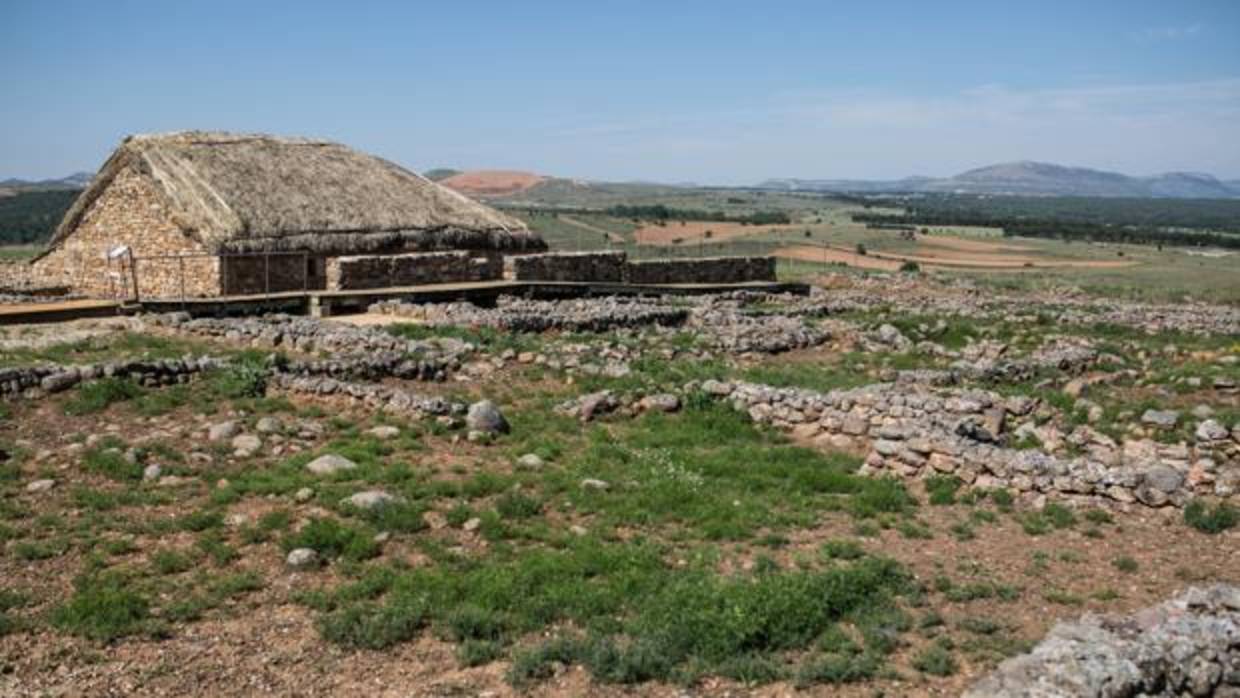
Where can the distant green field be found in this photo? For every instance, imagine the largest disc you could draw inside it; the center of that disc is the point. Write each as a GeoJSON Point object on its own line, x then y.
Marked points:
{"type": "Point", "coordinates": [9, 253]}
{"type": "Point", "coordinates": [1170, 273]}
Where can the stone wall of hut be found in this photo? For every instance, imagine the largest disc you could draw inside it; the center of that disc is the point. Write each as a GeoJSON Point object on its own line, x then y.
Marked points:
{"type": "Point", "coordinates": [386, 271]}
{"type": "Point", "coordinates": [704, 270]}
{"type": "Point", "coordinates": [566, 266]}
{"type": "Point", "coordinates": [130, 212]}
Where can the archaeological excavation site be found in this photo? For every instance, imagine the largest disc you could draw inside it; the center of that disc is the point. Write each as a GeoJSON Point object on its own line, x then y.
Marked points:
{"type": "Point", "coordinates": [281, 417]}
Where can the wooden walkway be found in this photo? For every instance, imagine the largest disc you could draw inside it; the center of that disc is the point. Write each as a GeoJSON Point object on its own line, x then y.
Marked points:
{"type": "Point", "coordinates": [327, 303]}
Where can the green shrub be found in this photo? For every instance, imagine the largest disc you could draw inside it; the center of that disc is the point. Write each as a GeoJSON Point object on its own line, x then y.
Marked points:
{"type": "Point", "coordinates": [98, 395]}
{"type": "Point", "coordinates": [331, 538]}
{"type": "Point", "coordinates": [1125, 564]}
{"type": "Point", "coordinates": [910, 267]}
{"type": "Point", "coordinates": [935, 660]}
{"type": "Point", "coordinates": [170, 562]}
{"type": "Point", "coordinates": [373, 626]}
{"type": "Point", "coordinates": [103, 608]}
{"type": "Point", "coordinates": [243, 379]}
{"type": "Point", "coordinates": [515, 505]}
{"type": "Point", "coordinates": [942, 489]}
{"type": "Point", "coordinates": [1211, 519]}
{"type": "Point", "coordinates": [108, 460]}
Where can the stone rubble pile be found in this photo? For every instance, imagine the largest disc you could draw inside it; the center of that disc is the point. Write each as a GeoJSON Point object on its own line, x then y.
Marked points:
{"type": "Point", "coordinates": [383, 364]}
{"type": "Point", "coordinates": [725, 329]}
{"type": "Point", "coordinates": [532, 316]}
{"type": "Point", "coordinates": [962, 298]}
{"type": "Point", "coordinates": [57, 378]}
{"type": "Point", "coordinates": [1188, 646]}
{"type": "Point", "coordinates": [915, 431]}
{"type": "Point", "coordinates": [373, 395]}
{"type": "Point", "coordinates": [309, 335]}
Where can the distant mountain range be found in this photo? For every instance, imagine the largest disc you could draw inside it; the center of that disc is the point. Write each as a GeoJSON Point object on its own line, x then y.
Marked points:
{"type": "Point", "coordinates": [1032, 179]}
{"type": "Point", "coordinates": [77, 180]}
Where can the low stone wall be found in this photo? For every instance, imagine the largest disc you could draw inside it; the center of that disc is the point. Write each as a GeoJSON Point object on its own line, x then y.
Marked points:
{"type": "Point", "coordinates": [705, 270]}
{"type": "Point", "coordinates": [309, 335]}
{"type": "Point", "coordinates": [912, 432]}
{"type": "Point", "coordinates": [383, 271]}
{"type": "Point", "coordinates": [566, 266]}
{"type": "Point", "coordinates": [374, 395]}
{"type": "Point", "coordinates": [54, 379]}
{"type": "Point", "coordinates": [521, 315]}
{"type": "Point", "coordinates": [1188, 646]}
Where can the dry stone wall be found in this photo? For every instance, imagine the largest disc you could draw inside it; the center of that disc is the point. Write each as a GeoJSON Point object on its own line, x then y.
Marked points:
{"type": "Point", "coordinates": [129, 212]}
{"type": "Point", "coordinates": [917, 431]}
{"type": "Point", "coordinates": [1188, 646]}
{"type": "Point", "coordinates": [383, 271]}
{"type": "Point", "coordinates": [566, 266]}
{"type": "Point", "coordinates": [54, 378]}
{"type": "Point", "coordinates": [705, 270]}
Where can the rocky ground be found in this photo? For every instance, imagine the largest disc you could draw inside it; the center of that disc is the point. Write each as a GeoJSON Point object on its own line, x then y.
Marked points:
{"type": "Point", "coordinates": [879, 488]}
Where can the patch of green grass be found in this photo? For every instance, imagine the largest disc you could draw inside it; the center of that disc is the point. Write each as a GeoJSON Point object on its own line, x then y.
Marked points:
{"type": "Point", "coordinates": [331, 538]}
{"type": "Point", "coordinates": [936, 660]}
{"type": "Point", "coordinates": [842, 549]}
{"type": "Point", "coordinates": [103, 607]}
{"type": "Point", "coordinates": [166, 562]}
{"type": "Point", "coordinates": [109, 460]}
{"type": "Point", "coordinates": [1053, 516]}
{"type": "Point", "coordinates": [647, 620]}
{"type": "Point", "coordinates": [1098, 516]}
{"type": "Point", "coordinates": [714, 473]}
{"type": "Point", "coordinates": [515, 505]}
{"type": "Point", "coordinates": [1211, 518]}
{"type": "Point", "coordinates": [97, 395]}
{"type": "Point", "coordinates": [1125, 564]}
{"type": "Point", "coordinates": [942, 489]}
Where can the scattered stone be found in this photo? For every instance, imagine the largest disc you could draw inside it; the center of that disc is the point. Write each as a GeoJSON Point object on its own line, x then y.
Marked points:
{"type": "Point", "coordinates": [222, 431]}
{"type": "Point", "coordinates": [301, 558]}
{"type": "Point", "coordinates": [40, 486]}
{"type": "Point", "coordinates": [330, 464]}
{"type": "Point", "coordinates": [370, 500]}
{"type": "Point", "coordinates": [1211, 430]}
{"type": "Point", "coordinates": [1163, 419]}
{"type": "Point", "coordinates": [152, 472]}
{"type": "Point", "coordinates": [303, 495]}
{"type": "Point", "coordinates": [485, 417]}
{"type": "Point", "coordinates": [662, 402]}
{"type": "Point", "coordinates": [246, 445]}
{"type": "Point", "coordinates": [268, 425]}
{"type": "Point", "coordinates": [593, 484]}
{"type": "Point", "coordinates": [471, 525]}
{"type": "Point", "coordinates": [530, 460]}
{"type": "Point", "coordinates": [384, 432]}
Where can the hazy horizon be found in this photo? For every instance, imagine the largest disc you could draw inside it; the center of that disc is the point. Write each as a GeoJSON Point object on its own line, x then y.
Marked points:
{"type": "Point", "coordinates": [718, 93]}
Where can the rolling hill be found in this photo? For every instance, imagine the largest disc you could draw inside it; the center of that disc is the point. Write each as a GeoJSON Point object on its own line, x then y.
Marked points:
{"type": "Point", "coordinates": [1033, 179]}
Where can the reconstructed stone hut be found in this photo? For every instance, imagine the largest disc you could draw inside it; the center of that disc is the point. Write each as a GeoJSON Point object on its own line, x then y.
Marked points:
{"type": "Point", "coordinates": [209, 214]}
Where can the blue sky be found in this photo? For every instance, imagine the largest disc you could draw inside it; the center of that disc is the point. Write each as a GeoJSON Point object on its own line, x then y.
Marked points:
{"type": "Point", "coordinates": [713, 92]}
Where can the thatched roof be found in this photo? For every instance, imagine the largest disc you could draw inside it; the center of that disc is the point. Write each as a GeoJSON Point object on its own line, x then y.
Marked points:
{"type": "Point", "coordinates": [245, 193]}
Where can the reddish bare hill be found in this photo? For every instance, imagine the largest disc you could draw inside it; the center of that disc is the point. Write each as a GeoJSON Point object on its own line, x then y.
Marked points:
{"type": "Point", "coordinates": [492, 182]}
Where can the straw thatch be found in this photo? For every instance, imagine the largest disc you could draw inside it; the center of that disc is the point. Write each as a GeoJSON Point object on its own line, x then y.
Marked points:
{"type": "Point", "coordinates": [251, 193]}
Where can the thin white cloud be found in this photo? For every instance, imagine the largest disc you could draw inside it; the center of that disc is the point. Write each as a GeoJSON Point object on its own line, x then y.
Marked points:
{"type": "Point", "coordinates": [1173, 33]}
{"type": "Point", "coordinates": [1139, 129]}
